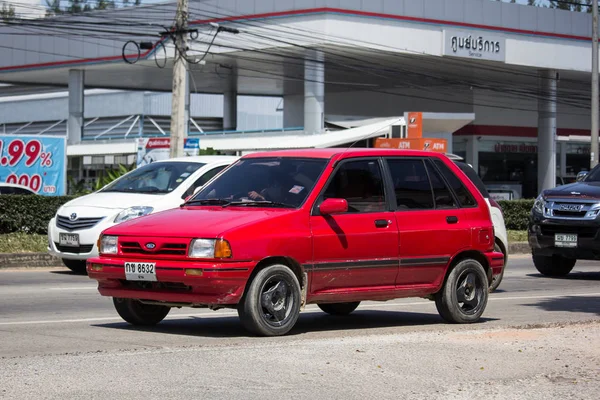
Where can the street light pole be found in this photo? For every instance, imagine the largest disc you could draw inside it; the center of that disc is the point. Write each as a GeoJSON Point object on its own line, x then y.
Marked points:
{"type": "Point", "coordinates": [594, 141]}
{"type": "Point", "coordinates": [178, 123]}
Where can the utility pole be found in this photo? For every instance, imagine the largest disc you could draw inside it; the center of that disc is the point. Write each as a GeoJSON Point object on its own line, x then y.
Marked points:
{"type": "Point", "coordinates": [180, 83]}
{"type": "Point", "coordinates": [594, 144]}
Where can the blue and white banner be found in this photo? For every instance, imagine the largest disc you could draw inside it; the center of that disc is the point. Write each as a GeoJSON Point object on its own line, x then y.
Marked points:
{"type": "Point", "coordinates": [36, 162]}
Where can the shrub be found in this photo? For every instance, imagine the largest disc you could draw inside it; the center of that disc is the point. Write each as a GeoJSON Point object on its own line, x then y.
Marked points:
{"type": "Point", "coordinates": [27, 213]}
{"type": "Point", "coordinates": [516, 213]}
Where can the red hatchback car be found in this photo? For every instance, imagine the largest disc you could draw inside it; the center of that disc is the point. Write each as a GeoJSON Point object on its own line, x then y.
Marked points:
{"type": "Point", "coordinates": [335, 227]}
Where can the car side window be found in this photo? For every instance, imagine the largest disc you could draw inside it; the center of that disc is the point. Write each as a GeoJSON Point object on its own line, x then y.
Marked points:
{"type": "Point", "coordinates": [20, 191]}
{"type": "Point", "coordinates": [411, 184]}
{"type": "Point", "coordinates": [202, 180]}
{"type": "Point", "coordinates": [442, 195]}
{"type": "Point", "coordinates": [361, 184]}
{"type": "Point", "coordinates": [465, 198]}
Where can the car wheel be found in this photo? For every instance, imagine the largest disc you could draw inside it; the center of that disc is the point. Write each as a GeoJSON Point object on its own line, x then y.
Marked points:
{"type": "Point", "coordinates": [137, 313]}
{"type": "Point", "coordinates": [339, 308]}
{"type": "Point", "coordinates": [271, 305]}
{"type": "Point", "coordinates": [497, 279]}
{"type": "Point", "coordinates": [77, 266]}
{"type": "Point", "coordinates": [554, 265]}
{"type": "Point", "coordinates": [464, 296]}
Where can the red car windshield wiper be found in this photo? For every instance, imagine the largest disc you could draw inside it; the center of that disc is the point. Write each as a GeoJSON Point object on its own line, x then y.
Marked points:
{"type": "Point", "coordinates": [265, 203]}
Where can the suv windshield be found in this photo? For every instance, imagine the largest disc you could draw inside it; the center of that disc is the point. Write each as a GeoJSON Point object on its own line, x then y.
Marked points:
{"type": "Point", "coordinates": [472, 175]}
{"type": "Point", "coordinates": [283, 182]}
{"type": "Point", "coordinates": [594, 175]}
{"type": "Point", "coordinates": [159, 177]}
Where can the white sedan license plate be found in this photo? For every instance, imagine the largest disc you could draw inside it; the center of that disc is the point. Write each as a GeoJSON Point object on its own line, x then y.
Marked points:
{"type": "Point", "coordinates": [68, 239]}
{"type": "Point", "coordinates": [565, 240]}
{"type": "Point", "coordinates": [140, 271]}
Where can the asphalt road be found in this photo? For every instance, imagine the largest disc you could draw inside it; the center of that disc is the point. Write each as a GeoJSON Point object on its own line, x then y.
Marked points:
{"type": "Point", "coordinates": [539, 338]}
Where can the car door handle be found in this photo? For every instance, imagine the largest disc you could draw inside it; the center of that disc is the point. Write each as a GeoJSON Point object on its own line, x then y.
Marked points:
{"type": "Point", "coordinates": [451, 219]}
{"type": "Point", "coordinates": [381, 223]}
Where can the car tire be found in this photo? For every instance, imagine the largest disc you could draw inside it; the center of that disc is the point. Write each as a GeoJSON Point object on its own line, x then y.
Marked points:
{"type": "Point", "coordinates": [271, 304]}
{"type": "Point", "coordinates": [497, 279]}
{"type": "Point", "coordinates": [464, 296]}
{"type": "Point", "coordinates": [137, 313]}
{"type": "Point", "coordinates": [554, 265]}
{"type": "Point", "coordinates": [339, 308]}
{"type": "Point", "coordinates": [77, 266]}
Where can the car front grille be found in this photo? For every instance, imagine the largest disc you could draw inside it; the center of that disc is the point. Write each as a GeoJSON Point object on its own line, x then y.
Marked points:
{"type": "Point", "coordinates": [174, 249]}
{"type": "Point", "coordinates": [79, 224]}
{"type": "Point", "coordinates": [582, 231]}
{"type": "Point", "coordinates": [84, 248]}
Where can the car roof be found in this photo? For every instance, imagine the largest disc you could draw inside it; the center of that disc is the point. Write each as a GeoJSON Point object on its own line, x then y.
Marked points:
{"type": "Point", "coordinates": [16, 186]}
{"type": "Point", "coordinates": [201, 159]}
{"type": "Point", "coordinates": [341, 152]}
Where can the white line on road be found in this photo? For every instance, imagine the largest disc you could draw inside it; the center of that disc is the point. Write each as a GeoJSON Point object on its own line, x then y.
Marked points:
{"type": "Point", "coordinates": [75, 288]}
{"type": "Point", "coordinates": [309, 308]}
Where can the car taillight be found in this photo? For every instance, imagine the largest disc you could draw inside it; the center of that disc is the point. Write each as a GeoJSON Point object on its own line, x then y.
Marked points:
{"type": "Point", "coordinates": [495, 204]}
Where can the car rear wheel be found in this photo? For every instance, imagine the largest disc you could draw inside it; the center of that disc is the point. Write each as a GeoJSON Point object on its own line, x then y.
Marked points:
{"type": "Point", "coordinates": [497, 279]}
{"type": "Point", "coordinates": [464, 296]}
{"type": "Point", "coordinates": [77, 266]}
{"type": "Point", "coordinates": [137, 313]}
{"type": "Point", "coordinates": [339, 308]}
{"type": "Point", "coordinates": [271, 305]}
{"type": "Point", "coordinates": [554, 265]}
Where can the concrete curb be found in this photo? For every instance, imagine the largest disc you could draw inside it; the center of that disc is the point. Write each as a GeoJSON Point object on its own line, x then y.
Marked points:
{"type": "Point", "coordinates": [45, 260]}
{"type": "Point", "coordinates": [28, 260]}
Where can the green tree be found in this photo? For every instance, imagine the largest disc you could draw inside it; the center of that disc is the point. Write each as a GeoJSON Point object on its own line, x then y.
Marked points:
{"type": "Point", "coordinates": [53, 7]}
{"type": "Point", "coordinates": [7, 12]}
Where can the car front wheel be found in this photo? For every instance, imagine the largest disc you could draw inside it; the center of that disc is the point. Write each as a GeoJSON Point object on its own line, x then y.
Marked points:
{"type": "Point", "coordinates": [77, 266]}
{"type": "Point", "coordinates": [271, 305]}
{"type": "Point", "coordinates": [553, 265]}
{"type": "Point", "coordinates": [464, 296]}
{"type": "Point", "coordinates": [137, 313]}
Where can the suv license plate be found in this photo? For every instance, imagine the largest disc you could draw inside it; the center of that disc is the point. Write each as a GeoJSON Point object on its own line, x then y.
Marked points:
{"type": "Point", "coordinates": [565, 240]}
{"type": "Point", "coordinates": [68, 239]}
{"type": "Point", "coordinates": [140, 271]}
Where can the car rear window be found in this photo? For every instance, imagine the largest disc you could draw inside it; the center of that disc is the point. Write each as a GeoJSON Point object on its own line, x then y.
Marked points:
{"type": "Point", "coordinates": [464, 196]}
{"type": "Point", "coordinates": [472, 175]}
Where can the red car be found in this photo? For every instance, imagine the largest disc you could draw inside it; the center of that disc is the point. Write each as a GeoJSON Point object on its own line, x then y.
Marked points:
{"type": "Point", "coordinates": [335, 227]}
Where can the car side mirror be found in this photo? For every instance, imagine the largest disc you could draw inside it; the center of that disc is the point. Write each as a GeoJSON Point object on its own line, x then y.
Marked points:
{"type": "Point", "coordinates": [333, 206]}
{"type": "Point", "coordinates": [581, 175]}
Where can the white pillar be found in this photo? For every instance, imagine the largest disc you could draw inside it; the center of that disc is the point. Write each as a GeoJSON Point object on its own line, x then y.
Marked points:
{"type": "Point", "coordinates": [230, 110]}
{"type": "Point", "coordinates": [563, 159]}
{"type": "Point", "coordinates": [547, 130]}
{"type": "Point", "coordinates": [186, 107]}
{"type": "Point", "coordinates": [472, 156]}
{"type": "Point", "coordinates": [314, 92]}
{"type": "Point", "coordinates": [76, 101]}
{"type": "Point", "coordinates": [293, 111]}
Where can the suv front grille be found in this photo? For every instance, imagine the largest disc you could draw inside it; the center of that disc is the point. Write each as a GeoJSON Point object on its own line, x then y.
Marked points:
{"type": "Point", "coordinates": [81, 223]}
{"type": "Point", "coordinates": [84, 248]}
{"type": "Point", "coordinates": [175, 249]}
{"type": "Point", "coordinates": [582, 231]}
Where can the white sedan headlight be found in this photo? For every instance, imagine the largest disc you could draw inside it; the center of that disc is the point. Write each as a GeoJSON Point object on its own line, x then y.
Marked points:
{"type": "Point", "coordinates": [133, 212]}
{"type": "Point", "coordinates": [209, 248]}
{"type": "Point", "coordinates": [539, 204]}
{"type": "Point", "coordinates": [109, 244]}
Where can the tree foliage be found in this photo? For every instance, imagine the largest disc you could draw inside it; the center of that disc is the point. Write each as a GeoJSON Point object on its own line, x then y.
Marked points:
{"type": "Point", "coordinates": [54, 7]}
{"type": "Point", "coordinates": [7, 12]}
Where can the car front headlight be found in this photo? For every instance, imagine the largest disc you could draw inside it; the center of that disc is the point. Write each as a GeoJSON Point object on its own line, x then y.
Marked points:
{"type": "Point", "coordinates": [209, 248]}
{"type": "Point", "coordinates": [539, 204]}
{"type": "Point", "coordinates": [133, 212]}
{"type": "Point", "coordinates": [108, 244]}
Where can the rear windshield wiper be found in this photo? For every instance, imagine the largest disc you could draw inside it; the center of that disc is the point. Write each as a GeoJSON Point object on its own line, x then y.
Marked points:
{"type": "Point", "coordinates": [216, 202]}
{"type": "Point", "coordinates": [259, 203]}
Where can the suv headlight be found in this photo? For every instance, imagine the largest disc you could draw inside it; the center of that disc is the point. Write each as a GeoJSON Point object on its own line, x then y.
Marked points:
{"type": "Point", "coordinates": [209, 248]}
{"type": "Point", "coordinates": [132, 212]}
{"type": "Point", "coordinates": [108, 244]}
{"type": "Point", "coordinates": [539, 204]}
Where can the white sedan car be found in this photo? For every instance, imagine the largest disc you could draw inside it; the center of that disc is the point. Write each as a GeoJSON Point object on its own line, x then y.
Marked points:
{"type": "Point", "coordinates": [159, 186]}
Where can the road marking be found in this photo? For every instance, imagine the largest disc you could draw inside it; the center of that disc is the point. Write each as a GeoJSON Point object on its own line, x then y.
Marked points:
{"type": "Point", "coordinates": [75, 288]}
{"type": "Point", "coordinates": [311, 307]}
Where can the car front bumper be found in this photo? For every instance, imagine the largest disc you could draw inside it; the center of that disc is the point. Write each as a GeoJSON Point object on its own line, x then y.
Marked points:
{"type": "Point", "coordinates": [209, 284]}
{"type": "Point", "coordinates": [541, 236]}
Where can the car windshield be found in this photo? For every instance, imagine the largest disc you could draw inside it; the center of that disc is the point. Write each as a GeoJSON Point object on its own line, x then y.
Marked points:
{"type": "Point", "coordinates": [472, 175]}
{"type": "Point", "coordinates": [594, 175]}
{"type": "Point", "coordinates": [272, 182]}
{"type": "Point", "coordinates": [155, 178]}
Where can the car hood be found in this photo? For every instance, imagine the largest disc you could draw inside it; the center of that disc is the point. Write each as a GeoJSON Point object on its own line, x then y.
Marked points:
{"type": "Point", "coordinates": [194, 222]}
{"type": "Point", "coordinates": [577, 190]}
{"type": "Point", "coordinates": [115, 200]}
